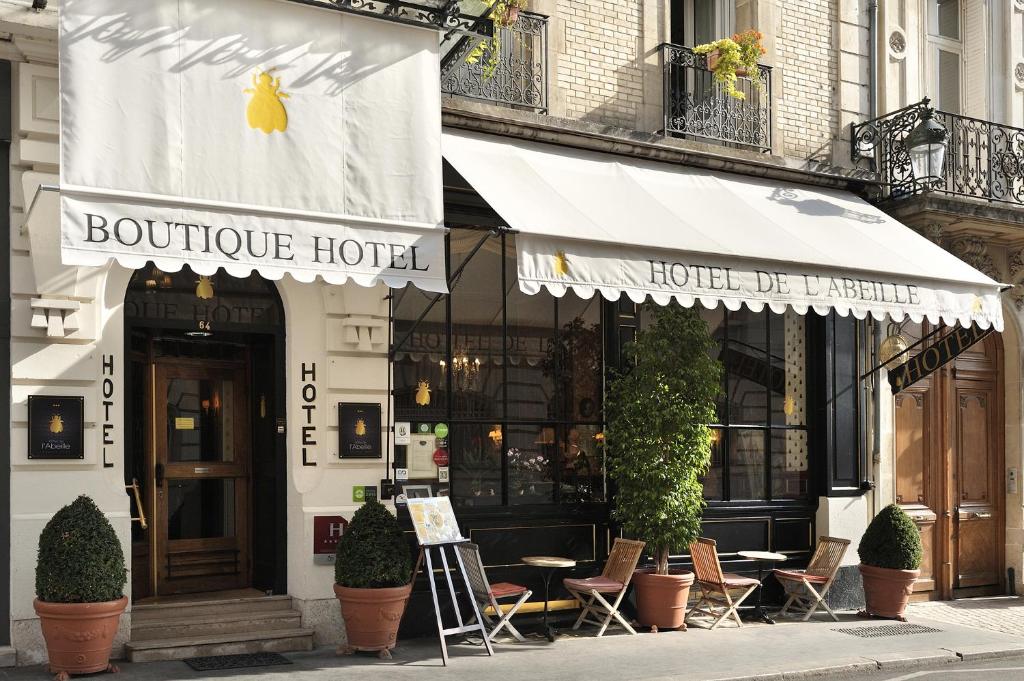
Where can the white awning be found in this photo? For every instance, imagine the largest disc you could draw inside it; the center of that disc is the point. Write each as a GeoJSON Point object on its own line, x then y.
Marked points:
{"type": "Point", "coordinates": [305, 143]}
{"type": "Point", "coordinates": [598, 222]}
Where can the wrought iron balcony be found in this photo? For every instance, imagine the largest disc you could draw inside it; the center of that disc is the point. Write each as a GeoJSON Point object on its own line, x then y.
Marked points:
{"type": "Point", "coordinates": [984, 160]}
{"type": "Point", "coordinates": [697, 107]}
{"type": "Point", "coordinates": [519, 79]}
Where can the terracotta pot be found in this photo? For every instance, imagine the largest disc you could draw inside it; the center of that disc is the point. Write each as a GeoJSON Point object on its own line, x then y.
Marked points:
{"type": "Point", "coordinates": [513, 15]}
{"type": "Point", "coordinates": [713, 58]}
{"type": "Point", "coordinates": [79, 636]}
{"type": "Point", "coordinates": [887, 591]}
{"type": "Point", "coordinates": [661, 599]}
{"type": "Point", "coordinates": [372, 616]}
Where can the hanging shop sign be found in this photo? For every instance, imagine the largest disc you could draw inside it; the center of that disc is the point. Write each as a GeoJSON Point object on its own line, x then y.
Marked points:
{"type": "Point", "coordinates": [56, 427]}
{"type": "Point", "coordinates": [933, 357]}
{"type": "Point", "coordinates": [359, 430]}
{"type": "Point", "coordinates": [327, 530]}
{"type": "Point", "coordinates": [216, 134]}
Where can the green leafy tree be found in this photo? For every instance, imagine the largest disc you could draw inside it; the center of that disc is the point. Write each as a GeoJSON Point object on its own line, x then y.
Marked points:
{"type": "Point", "coordinates": [892, 541]}
{"type": "Point", "coordinates": [373, 552]}
{"type": "Point", "coordinates": [658, 440]}
{"type": "Point", "coordinates": [80, 557]}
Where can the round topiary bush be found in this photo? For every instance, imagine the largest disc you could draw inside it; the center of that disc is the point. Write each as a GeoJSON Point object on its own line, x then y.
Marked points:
{"type": "Point", "coordinates": [892, 541]}
{"type": "Point", "coordinates": [80, 557]}
{"type": "Point", "coordinates": [373, 552]}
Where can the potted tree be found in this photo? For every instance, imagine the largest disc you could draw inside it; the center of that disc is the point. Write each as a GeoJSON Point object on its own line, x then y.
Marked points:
{"type": "Point", "coordinates": [372, 574]}
{"type": "Point", "coordinates": [890, 562]}
{"type": "Point", "coordinates": [80, 578]}
{"type": "Point", "coordinates": [659, 448]}
{"type": "Point", "coordinates": [729, 58]}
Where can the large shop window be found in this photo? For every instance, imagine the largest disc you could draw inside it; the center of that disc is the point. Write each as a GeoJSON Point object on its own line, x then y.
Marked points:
{"type": "Point", "coordinates": [760, 441]}
{"type": "Point", "coordinates": [516, 379]}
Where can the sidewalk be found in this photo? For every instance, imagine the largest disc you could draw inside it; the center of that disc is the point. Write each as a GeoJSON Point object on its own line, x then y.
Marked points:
{"type": "Point", "coordinates": [788, 650]}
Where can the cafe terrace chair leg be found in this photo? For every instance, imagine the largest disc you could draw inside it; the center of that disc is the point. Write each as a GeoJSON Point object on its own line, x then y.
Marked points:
{"type": "Point", "coordinates": [799, 585]}
{"type": "Point", "coordinates": [504, 622]}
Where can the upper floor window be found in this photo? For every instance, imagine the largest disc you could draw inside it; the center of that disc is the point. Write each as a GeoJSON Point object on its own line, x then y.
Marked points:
{"type": "Point", "coordinates": [945, 54]}
{"type": "Point", "coordinates": [695, 22]}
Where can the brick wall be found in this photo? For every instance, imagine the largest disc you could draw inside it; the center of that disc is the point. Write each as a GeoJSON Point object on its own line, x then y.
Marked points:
{"type": "Point", "coordinates": [807, 114]}
{"type": "Point", "coordinates": [598, 68]}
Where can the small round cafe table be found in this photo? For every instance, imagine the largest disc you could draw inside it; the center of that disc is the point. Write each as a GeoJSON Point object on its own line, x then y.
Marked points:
{"type": "Point", "coordinates": [758, 613]}
{"type": "Point", "coordinates": [548, 565]}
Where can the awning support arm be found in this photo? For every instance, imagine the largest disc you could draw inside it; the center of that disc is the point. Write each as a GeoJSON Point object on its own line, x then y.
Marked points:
{"type": "Point", "coordinates": [451, 283]}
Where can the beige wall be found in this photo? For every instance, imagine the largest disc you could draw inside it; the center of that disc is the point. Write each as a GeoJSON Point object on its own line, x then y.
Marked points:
{"type": "Point", "coordinates": [343, 330]}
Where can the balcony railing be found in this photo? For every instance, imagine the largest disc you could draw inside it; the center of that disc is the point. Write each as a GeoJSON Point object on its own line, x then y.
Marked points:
{"type": "Point", "coordinates": [520, 78]}
{"type": "Point", "coordinates": [984, 160]}
{"type": "Point", "coordinates": [697, 107]}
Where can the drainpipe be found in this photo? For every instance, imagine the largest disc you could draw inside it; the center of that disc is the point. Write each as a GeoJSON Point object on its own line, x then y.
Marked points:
{"type": "Point", "coordinates": [876, 391]}
{"type": "Point", "coordinates": [873, 59]}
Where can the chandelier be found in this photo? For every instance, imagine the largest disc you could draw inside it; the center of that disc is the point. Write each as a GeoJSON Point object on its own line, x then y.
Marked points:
{"type": "Point", "coordinates": [465, 372]}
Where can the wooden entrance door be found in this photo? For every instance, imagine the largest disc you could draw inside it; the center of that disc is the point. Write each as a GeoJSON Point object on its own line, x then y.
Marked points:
{"type": "Point", "coordinates": [977, 543]}
{"type": "Point", "coordinates": [200, 470]}
{"type": "Point", "coordinates": [949, 458]}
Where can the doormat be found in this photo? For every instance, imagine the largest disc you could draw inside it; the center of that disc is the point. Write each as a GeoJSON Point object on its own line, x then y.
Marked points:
{"type": "Point", "coordinates": [888, 630]}
{"type": "Point", "coordinates": [215, 662]}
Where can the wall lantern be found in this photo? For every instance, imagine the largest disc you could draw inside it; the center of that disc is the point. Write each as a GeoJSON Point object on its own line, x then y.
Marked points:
{"type": "Point", "coordinates": [926, 145]}
{"type": "Point", "coordinates": [894, 344]}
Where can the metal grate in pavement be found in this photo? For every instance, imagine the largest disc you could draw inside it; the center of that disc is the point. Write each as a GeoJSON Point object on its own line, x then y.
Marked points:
{"type": "Point", "coordinates": [888, 630]}
{"type": "Point", "coordinates": [241, 661]}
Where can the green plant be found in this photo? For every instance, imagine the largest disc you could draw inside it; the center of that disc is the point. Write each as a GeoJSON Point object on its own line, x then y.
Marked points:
{"type": "Point", "coordinates": [658, 442]}
{"type": "Point", "coordinates": [80, 557]}
{"type": "Point", "coordinates": [373, 553]}
{"type": "Point", "coordinates": [488, 52]}
{"type": "Point", "coordinates": [739, 52]}
{"type": "Point", "coordinates": [892, 540]}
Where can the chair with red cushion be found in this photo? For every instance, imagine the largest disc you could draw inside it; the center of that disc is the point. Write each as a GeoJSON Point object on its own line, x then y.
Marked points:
{"type": "Point", "coordinates": [807, 588]}
{"type": "Point", "coordinates": [613, 581]}
{"type": "Point", "coordinates": [487, 595]}
{"type": "Point", "coordinates": [720, 593]}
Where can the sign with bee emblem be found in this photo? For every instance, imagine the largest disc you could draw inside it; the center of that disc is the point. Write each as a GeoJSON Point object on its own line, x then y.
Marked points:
{"type": "Point", "coordinates": [211, 141]}
{"type": "Point", "coordinates": [56, 427]}
{"type": "Point", "coordinates": [359, 430]}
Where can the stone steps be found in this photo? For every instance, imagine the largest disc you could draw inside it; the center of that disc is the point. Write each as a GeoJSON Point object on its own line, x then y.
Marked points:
{"type": "Point", "coordinates": [198, 628]}
{"type": "Point", "coordinates": [8, 658]}
{"type": "Point", "coordinates": [273, 641]}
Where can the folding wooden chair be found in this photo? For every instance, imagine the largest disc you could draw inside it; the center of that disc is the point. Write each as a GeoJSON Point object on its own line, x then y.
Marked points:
{"type": "Point", "coordinates": [614, 580]}
{"type": "Point", "coordinates": [800, 584]}
{"type": "Point", "coordinates": [716, 588]}
{"type": "Point", "coordinates": [487, 594]}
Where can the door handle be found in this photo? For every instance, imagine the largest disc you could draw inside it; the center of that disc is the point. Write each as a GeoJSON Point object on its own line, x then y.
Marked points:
{"type": "Point", "coordinates": [134, 487]}
{"type": "Point", "coordinates": [159, 474]}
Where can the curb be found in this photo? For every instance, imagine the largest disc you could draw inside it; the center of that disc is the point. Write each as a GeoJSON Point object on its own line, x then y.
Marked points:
{"type": "Point", "coordinates": [943, 656]}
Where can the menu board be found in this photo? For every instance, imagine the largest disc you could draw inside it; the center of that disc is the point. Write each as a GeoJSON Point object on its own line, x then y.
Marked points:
{"type": "Point", "coordinates": [434, 521]}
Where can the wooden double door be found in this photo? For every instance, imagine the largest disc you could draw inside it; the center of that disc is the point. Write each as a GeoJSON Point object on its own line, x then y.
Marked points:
{"type": "Point", "coordinates": [199, 476]}
{"type": "Point", "coordinates": [949, 462]}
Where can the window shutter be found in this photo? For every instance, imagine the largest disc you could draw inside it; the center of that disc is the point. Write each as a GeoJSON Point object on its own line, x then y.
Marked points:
{"type": "Point", "coordinates": [976, 72]}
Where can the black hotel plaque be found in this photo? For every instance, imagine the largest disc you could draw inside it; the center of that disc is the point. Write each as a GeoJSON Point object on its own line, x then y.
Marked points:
{"type": "Point", "coordinates": [56, 427]}
{"type": "Point", "coordinates": [359, 430]}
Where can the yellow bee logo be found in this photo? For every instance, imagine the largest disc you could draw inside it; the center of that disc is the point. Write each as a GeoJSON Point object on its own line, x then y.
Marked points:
{"type": "Point", "coordinates": [423, 393]}
{"type": "Point", "coordinates": [789, 405]}
{"type": "Point", "coordinates": [360, 427]}
{"type": "Point", "coordinates": [266, 111]}
{"type": "Point", "coordinates": [204, 288]}
{"type": "Point", "coordinates": [561, 264]}
{"type": "Point", "coordinates": [56, 424]}
{"type": "Point", "coordinates": [977, 305]}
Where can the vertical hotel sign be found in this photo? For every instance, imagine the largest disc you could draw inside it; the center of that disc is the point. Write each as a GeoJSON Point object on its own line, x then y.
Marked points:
{"type": "Point", "coordinates": [250, 135]}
